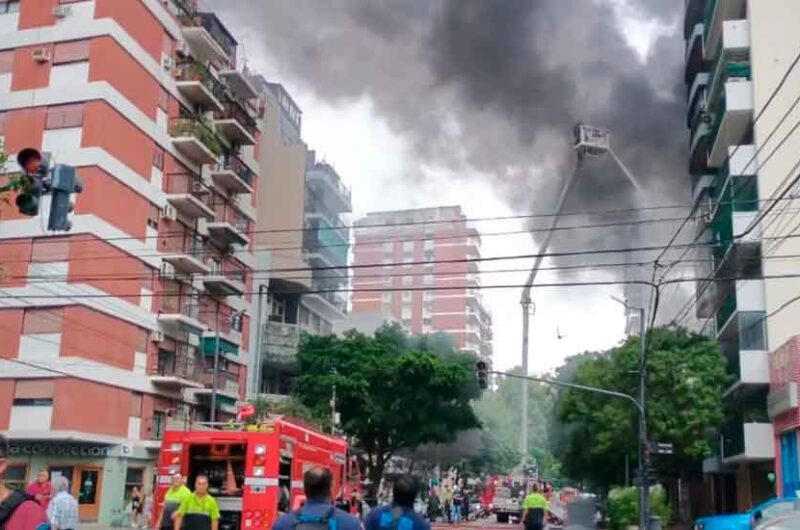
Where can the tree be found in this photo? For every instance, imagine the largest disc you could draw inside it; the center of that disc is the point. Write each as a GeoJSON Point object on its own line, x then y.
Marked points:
{"type": "Point", "coordinates": [687, 378]}
{"type": "Point", "coordinates": [392, 392]}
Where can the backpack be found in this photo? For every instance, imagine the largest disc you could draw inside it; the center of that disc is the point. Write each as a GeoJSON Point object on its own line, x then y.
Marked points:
{"type": "Point", "coordinates": [396, 520]}
{"type": "Point", "coordinates": [11, 503]}
{"type": "Point", "coordinates": [314, 522]}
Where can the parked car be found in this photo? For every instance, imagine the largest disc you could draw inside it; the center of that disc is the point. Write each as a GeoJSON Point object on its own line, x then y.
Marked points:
{"type": "Point", "coordinates": [760, 514]}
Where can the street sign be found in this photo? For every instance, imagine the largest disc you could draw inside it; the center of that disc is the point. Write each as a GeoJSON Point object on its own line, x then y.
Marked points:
{"type": "Point", "coordinates": [658, 448]}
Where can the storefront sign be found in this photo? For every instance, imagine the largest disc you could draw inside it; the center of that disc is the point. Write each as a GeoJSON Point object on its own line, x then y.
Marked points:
{"type": "Point", "coordinates": [782, 400]}
{"type": "Point", "coordinates": [57, 449]}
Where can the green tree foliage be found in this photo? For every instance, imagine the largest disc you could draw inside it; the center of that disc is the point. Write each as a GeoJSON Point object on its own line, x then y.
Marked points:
{"type": "Point", "coordinates": [393, 392]}
{"type": "Point", "coordinates": [687, 378]}
{"type": "Point", "coordinates": [623, 506]}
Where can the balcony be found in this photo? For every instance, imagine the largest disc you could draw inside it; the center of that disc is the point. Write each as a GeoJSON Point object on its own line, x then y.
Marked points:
{"type": "Point", "coordinates": [180, 309]}
{"type": "Point", "coordinates": [698, 100]}
{"type": "Point", "coordinates": [189, 195]}
{"type": "Point", "coordinates": [177, 369]}
{"type": "Point", "coordinates": [198, 85]}
{"type": "Point", "coordinates": [233, 175]}
{"type": "Point", "coordinates": [718, 11]}
{"type": "Point", "coordinates": [327, 186]}
{"type": "Point", "coordinates": [695, 61]}
{"type": "Point", "coordinates": [235, 124]}
{"type": "Point", "coordinates": [741, 313]}
{"type": "Point", "coordinates": [229, 281]}
{"type": "Point", "coordinates": [185, 253]}
{"type": "Point", "coordinates": [732, 61]}
{"type": "Point", "coordinates": [736, 205]}
{"type": "Point", "coordinates": [208, 39]}
{"type": "Point", "coordinates": [694, 14]}
{"type": "Point", "coordinates": [747, 442]}
{"type": "Point", "coordinates": [195, 139]}
{"type": "Point", "coordinates": [732, 122]}
{"type": "Point", "coordinates": [698, 147]}
{"type": "Point", "coordinates": [229, 227]}
{"type": "Point", "coordinates": [748, 368]}
{"type": "Point", "coordinates": [280, 342]}
{"type": "Point", "coordinates": [330, 305]}
{"type": "Point", "coordinates": [238, 83]}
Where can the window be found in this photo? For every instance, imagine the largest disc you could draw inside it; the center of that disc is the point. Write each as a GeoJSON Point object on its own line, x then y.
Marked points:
{"type": "Point", "coordinates": [388, 246]}
{"type": "Point", "coordinates": [9, 6]}
{"type": "Point", "coordinates": [33, 393]}
{"type": "Point", "coordinates": [407, 296]}
{"type": "Point", "coordinates": [3, 116]}
{"type": "Point", "coordinates": [136, 405]}
{"type": "Point", "coordinates": [37, 321]}
{"type": "Point", "coordinates": [158, 157]}
{"type": "Point", "coordinates": [49, 250]}
{"type": "Point", "coordinates": [406, 314]}
{"type": "Point", "coordinates": [6, 68]}
{"type": "Point", "coordinates": [64, 116]}
{"type": "Point", "coordinates": [408, 281]}
{"type": "Point", "coordinates": [387, 298]}
{"type": "Point", "coordinates": [428, 280]}
{"type": "Point", "coordinates": [163, 99]}
{"type": "Point", "coordinates": [134, 477]}
{"type": "Point", "coordinates": [387, 261]}
{"type": "Point", "coordinates": [153, 215]}
{"type": "Point", "coordinates": [408, 247]}
{"type": "Point", "coordinates": [429, 244]}
{"type": "Point", "coordinates": [71, 52]}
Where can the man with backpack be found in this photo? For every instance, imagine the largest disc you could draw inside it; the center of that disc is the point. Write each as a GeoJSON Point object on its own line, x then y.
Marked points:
{"type": "Point", "coordinates": [318, 512]}
{"type": "Point", "coordinates": [18, 510]}
{"type": "Point", "coordinates": [400, 515]}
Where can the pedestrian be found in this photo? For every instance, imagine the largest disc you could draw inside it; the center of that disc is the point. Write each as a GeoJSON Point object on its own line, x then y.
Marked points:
{"type": "Point", "coordinates": [433, 506]}
{"type": "Point", "coordinates": [455, 506]}
{"type": "Point", "coordinates": [136, 506]}
{"type": "Point", "coordinates": [173, 499]}
{"type": "Point", "coordinates": [147, 510]}
{"type": "Point", "coordinates": [318, 512]}
{"type": "Point", "coordinates": [63, 508]}
{"type": "Point", "coordinates": [400, 515]}
{"type": "Point", "coordinates": [534, 509]}
{"type": "Point", "coordinates": [18, 511]}
{"type": "Point", "coordinates": [41, 489]}
{"type": "Point", "coordinates": [465, 499]}
{"type": "Point", "coordinates": [198, 511]}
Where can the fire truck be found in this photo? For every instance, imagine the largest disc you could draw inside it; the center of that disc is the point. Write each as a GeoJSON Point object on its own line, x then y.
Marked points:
{"type": "Point", "coordinates": [254, 472]}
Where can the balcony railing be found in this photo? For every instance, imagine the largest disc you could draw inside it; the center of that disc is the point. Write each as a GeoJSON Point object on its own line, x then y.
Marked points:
{"type": "Point", "coordinates": [188, 184]}
{"type": "Point", "coordinates": [196, 128]}
{"type": "Point", "coordinates": [726, 310]}
{"type": "Point", "coordinates": [182, 363]}
{"type": "Point", "coordinates": [187, 244]}
{"type": "Point", "coordinates": [234, 110]}
{"type": "Point", "coordinates": [231, 162]}
{"type": "Point", "coordinates": [189, 70]}
{"type": "Point", "coordinates": [177, 299]}
{"type": "Point", "coordinates": [189, 16]}
{"type": "Point", "coordinates": [227, 214]}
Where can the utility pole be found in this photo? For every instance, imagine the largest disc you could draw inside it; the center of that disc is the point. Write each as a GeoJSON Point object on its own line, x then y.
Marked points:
{"type": "Point", "coordinates": [644, 456]}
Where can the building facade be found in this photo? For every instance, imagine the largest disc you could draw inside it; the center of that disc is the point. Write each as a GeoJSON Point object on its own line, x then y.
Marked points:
{"type": "Point", "coordinates": [737, 52]}
{"type": "Point", "coordinates": [111, 331]}
{"type": "Point", "coordinates": [424, 260]}
{"type": "Point", "coordinates": [303, 240]}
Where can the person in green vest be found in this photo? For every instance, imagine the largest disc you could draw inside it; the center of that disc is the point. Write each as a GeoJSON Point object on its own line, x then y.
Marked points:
{"type": "Point", "coordinates": [198, 511]}
{"type": "Point", "coordinates": [176, 493]}
{"type": "Point", "coordinates": [534, 508]}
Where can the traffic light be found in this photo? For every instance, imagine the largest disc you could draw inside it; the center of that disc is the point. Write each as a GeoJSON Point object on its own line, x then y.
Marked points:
{"type": "Point", "coordinates": [35, 167]}
{"type": "Point", "coordinates": [65, 182]}
{"type": "Point", "coordinates": [482, 371]}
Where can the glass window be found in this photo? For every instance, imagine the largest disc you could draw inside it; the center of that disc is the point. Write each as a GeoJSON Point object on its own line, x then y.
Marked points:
{"type": "Point", "coordinates": [6, 61]}
{"type": "Point", "coordinates": [408, 246]}
{"type": "Point", "coordinates": [752, 333]}
{"type": "Point", "coordinates": [136, 405]}
{"type": "Point", "coordinates": [70, 52]}
{"type": "Point", "coordinates": [158, 157]}
{"type": "Point", "coordinates": [87, 492]}
{"type": "Point", "coordinates": [33, 389]}
{"type": "Point", "coordinates": [387, 297]}
{"type": "Point", "coordinates": [406, 314]}
{"type": "Point", "coordinates": [388, 246]}
{"type": "Point", "coordinates": [33, 402]}
{"type": "Point", "coordinates": [406, 296]}
{"type": "Point", "coordinates": [15, 476]}
{"type": "Point", "coordinates": [777, 509]}
{"type": "Point", "coordinates": [64, 116]}
{"type": "Point", "coordinates": [407, 281]}
{"type": "Point", "coordinates": [10, 6]}
{"type": "Point", "coordinates": [42, 321]}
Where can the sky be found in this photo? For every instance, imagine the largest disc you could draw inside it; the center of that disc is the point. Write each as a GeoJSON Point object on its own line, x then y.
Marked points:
{"type": "Point", "coordinates": [419, 103]}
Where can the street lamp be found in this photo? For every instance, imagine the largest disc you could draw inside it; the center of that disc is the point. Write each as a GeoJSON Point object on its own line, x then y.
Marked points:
{"type": "Point", "coordinates": [588, 141]}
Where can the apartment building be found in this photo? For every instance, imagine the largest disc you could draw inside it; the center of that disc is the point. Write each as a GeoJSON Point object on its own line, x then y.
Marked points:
{"type": "Point", "coordinates": [737, 52]}
{"type": "Point", "coordinates": [420, 271]}
{"type": "Point", "coordinates": [303, 240]}
{"type": "Point", "coordinates": [110, 331]}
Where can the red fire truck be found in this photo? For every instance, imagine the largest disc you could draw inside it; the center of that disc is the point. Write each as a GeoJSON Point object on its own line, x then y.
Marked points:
{"type": "Point", "coordinates": [256, 471]}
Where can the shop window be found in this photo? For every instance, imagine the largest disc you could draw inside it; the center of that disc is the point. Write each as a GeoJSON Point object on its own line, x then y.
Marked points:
{"type": "Point", "coordinates": [37, 321]}
{"type": "Point", "coordinates": [15, 476]}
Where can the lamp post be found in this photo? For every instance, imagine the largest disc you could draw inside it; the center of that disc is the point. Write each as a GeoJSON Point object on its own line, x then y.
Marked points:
{"type": "Point", "coordinates": [588, 141]}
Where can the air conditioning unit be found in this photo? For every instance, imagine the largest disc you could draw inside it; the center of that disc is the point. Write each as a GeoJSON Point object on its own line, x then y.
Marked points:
{"type": "Point", "coordinates": [157, 336]}
{"type": "Point", "coordinates": [41, 55]}
{"type": "Point", "coordinates": [62, 11]}
{"type": "Point", "coordinates": [167, 270]}
{"type": "Point", "coordinates": [167, 63]}
{"type": "Point", "coordinates": [169, 212]}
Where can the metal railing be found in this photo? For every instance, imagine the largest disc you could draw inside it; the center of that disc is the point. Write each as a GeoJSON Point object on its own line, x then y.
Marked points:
{"type": "Point", "coordinates": [182, 362]}
{"type": "Point", "coordinates": [188, 183]}
{"type": "Point", "coordinates": [188, 15]}
{"type": "Point", "coordinates": [179, 299]}
{"type": "Point", "coordinates": [189, 70]}
{"type": "Point", "coordinates": [234, 110]}
{"type": "Point", "coordinates": [188, 244]}
{"type": "Point", "coordinates": [227, 214]}
{"type": "Point", "coordinates": [231, 162]}
{"type": "Point", "coordinates": [195, 128]}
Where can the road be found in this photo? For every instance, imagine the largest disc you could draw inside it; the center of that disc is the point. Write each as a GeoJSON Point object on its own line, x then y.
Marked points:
{"type": "Point", "coordinates": [580, 512]}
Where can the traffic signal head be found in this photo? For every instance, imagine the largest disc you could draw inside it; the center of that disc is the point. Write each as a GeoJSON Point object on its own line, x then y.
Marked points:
{"type": "Point", "coordinates": [482, 371]}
